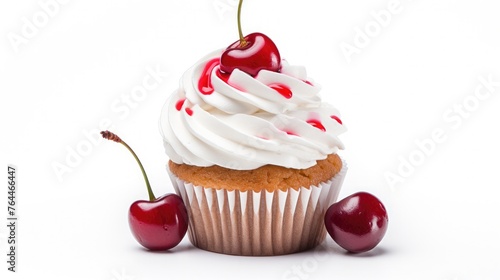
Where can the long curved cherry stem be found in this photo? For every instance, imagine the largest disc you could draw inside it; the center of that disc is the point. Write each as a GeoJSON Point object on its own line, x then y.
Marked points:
{"type": "Point", "coordinates": [242, 39]}
{"type": "Point", "coordinates": [113, 137]}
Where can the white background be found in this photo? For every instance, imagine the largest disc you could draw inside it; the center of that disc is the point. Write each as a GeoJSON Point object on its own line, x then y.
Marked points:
{"type": "Point", "coordinates": [62, 80]}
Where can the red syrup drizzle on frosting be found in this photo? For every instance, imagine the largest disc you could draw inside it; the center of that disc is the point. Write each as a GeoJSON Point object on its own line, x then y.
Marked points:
{"type": "Point", "coordinates": [189, 111]}
{"type": "Point", "coordinates": [206, 88]}
{"type": "Point", "coordinates": [307, 82]}
{"type": "Point", "coordinates": [204, 83]}
{"type": "Point", "coordinates": [336, 118]}
{"type": "Point", "coordinates": [282, 89]}
{"type": "Point", "coordinates": [223, 76]}
{"type": "Point", "coordinates": [289, 132]}
{"type": "Point", "coordinates": [317, 124]}
{"type": "Point", "coordinates": [179, 104]}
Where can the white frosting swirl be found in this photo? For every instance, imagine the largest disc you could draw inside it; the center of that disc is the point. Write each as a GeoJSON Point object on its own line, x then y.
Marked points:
{"type": "Point", "coordinates": [245, 123]}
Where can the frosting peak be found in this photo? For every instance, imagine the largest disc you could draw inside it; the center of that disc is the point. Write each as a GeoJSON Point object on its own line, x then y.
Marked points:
{"type": "Point", "coordinates": [242, 122]}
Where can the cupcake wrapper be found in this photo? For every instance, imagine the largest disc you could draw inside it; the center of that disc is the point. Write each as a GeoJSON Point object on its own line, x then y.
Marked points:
{"type": "Point", "coordinates": [257, 223]}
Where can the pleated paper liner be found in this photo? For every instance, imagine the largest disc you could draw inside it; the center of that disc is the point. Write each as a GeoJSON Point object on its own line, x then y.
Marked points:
{"type": "Point", "coordinates": [261, 223]}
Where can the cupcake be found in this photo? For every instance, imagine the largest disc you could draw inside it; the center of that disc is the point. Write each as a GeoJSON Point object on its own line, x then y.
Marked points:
{"type": "Point", "coordinates": [253, 156]}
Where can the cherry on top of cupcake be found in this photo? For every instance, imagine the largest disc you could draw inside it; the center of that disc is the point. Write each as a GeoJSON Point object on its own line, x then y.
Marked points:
{"type": "Point", "coordinates": [250, 53]}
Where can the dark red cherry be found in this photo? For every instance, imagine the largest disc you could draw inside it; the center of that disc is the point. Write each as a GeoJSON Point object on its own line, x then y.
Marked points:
{"type": "Point", "coordinates": [160, 224]}
{"type": "Point", "coordinates": [256, 52]}
{"type": "Point", "coordinates": [157, 223]}
{"type": "Point", "coordinates": [357, 223]}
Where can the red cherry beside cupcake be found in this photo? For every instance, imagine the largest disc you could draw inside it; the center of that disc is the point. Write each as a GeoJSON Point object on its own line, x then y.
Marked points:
{"type": "Point", "coordinates": [357, 223]}
{"type": "Point", "coordinates": [158, 223]}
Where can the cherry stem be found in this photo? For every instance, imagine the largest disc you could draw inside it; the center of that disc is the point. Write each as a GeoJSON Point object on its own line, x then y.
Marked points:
{"type": "Point", "coordinates": [113, 137]}
{"type": "Point", "coordinates": [242, 39]}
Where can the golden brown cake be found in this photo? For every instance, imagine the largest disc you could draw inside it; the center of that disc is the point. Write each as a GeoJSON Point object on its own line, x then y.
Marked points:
{"type": "Point", "coordinates": [271, 210]}
{"type": "Point", "coordinates": [267, 177]}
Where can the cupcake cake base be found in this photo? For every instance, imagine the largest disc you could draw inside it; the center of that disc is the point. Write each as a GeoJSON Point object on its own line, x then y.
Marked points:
{"type": "Point", "coordinates": [268, 211]}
